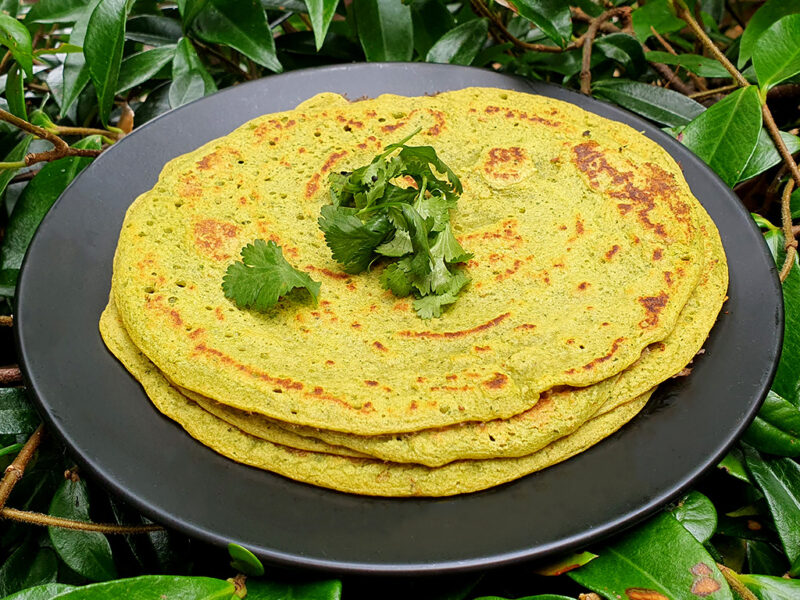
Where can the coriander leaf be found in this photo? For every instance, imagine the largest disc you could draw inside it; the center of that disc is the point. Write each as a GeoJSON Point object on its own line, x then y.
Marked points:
{"type": "Point", "coordinates": [429, 307]}
{"type": "Point", "coordinates": [395, 279]}
{"type": "Point", "coordinates": [352, 242]}
{"type": "Point", "coordinates": [436, 208]}
{"type": "Point", "coordinates": [399, 245]}
{"type": "Point", "coordinates": [446, 245]}
{"type": "Point", "coordinates": [263, 277]}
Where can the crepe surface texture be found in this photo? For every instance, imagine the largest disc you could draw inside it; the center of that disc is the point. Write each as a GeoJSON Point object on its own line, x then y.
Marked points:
{"type": "Point", "coordinates": [595, 276]}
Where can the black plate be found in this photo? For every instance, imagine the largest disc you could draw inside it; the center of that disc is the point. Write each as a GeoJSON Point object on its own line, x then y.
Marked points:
{"type": "Point", "coordinates": [110, 426]}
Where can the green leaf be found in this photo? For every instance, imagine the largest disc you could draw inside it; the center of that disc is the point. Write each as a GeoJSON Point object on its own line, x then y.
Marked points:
{"type": "Point", "coordinates": [149, 587]}
{"type": "Point", "coordinates": [263, 277]}
{"type": "Point", "coordinates": [551, 16]}
{"type": "Point", "coordinates": [240, 24]}
{"type": "Point", "coordinates": [153, 30]}
{"type": "Point", "coordinates": [460, 45]}
{"type": "Point", "coordinates": [656, 103]}
{"type": "Point", "coordinates": [733, 464]}
{"type": "Point", "coordinates": [36, 199]}
{"type": "Point", "coordinates": [41, 592]}
{"type": "Point", "coordinates": [655, 14]}
{"type": "Point", "coordinates": [76, 71]}
{"type": "Point", "coordinates": [321, 12]}
{"type": "Point", "coordinates": [16, 37]}
{"type": "Point", "coordinates": [764, 558]}
{"type": "Point", "coordinates": [352, 241]}
{"type": "Point", "coordinates": [564, 564]}
{"type": "Point", "coordinates": [761, 20]}
{"type": "Point", "coordinates": [15, 92]}
{"type": "Point", "coordinates": [766, 155]}
{"type": "Point", "coordinates": [700, 65]}
{"type": "Point", "coordinates": [29, 565]}
{"type": "Point", "coordinates": [143, 66]}
{"type": "Point", "coordinates": [776, 56]}
{"type": "Point", "coordinates": [625, 50]}
{"type": "Point", "coordinates": [431, 20]}
{"type": "Point", "coordinates": [16, 154]}
{"type": "Point", "coordinates": [385, 29]}
{"type": "Point", "coordinates": [17, 415]}
{"type": "Point", "coordinates": [189, 9]}
{"type": "Point", "coordinates": [274, 590]}
{"type": "Point", "coordinates": [188, 73]}
{"type": "Point", "coordinates": [776, 428]}
{"type": "Point", "coordinates": [85, 552]}
{"type": "Point", "coordinates": [725, 135]}
{"type": "Point", "coordinates": [698, 515]}
{"type": "Point", "coordinates": [105, 37]}
{"type": "Point", "coordinates": [56, 11]}
{"type": "Point", "coordinates": [779, 481]}
{"type": "Point", "coordinates": [245, 561]}
{"type": "Point", "coordinates": [765, 587]}
{"type": "Point", "coordinates": [661, 556]}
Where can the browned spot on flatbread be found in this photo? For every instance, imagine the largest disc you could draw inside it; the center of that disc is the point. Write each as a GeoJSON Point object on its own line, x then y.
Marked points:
{"type": "Point", "coordinates": [482, 348]}
{"type": "Point", "coordinates": [610, 254]}
{"type": "Point", "coordinates": [370, 382]}
{"type": "Point", "coordinates": [644, 594]}
{"type": "Point", "coordinates": [658, 254]}
{"type": "Point", "coordinates": [520, 116]}
{"type": "Point", "coordinates": [503, 163]}
{"type": "Point", "coordinates": [328, 272]}
{"type": "Point", "coordinates": [601, 359]}
{"type": "Point", "coordinates": [380, 346]}
{"type": "Point", "coordinates": [583, 285]}
{"type": "Point", "coordinates": [313, 184]}
{"type": "Point", "coordinates": [211, 237]}
{"type": "Point", "coordinates": [392, 127]}
{"type": "Point", "coordinates": [668, 277]}
{"type": "Point", "coordinates": [653, 305]}
{"type": "Point", "coordinates": [456, 334]}
{"type": "Point", "coordinates": [219, 314]}
{"type": "Point", "coordinates": [438, 116]}
{"type": "Point", "coordinates": [496, 382]}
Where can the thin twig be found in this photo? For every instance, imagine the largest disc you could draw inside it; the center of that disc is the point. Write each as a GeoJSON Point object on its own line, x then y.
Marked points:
{"type": "Point", "coordinates": [671, 77]}
{"type": "Point", "coordinates": [733, 580]}
{"type": "Point", "coordinates": [34, 518]}
{"type": "Point", "coordinates": [64, 130]}
{"type": "Point", "coordinates": [790, 242]}
{"type": "Point", "coordinates": [498, 24]}
{"type": "Point", "coordinates": [6, 320]}
{"type": "Point", "coordinates": [10, 376]}
{"type": "Point", "coordinates": [714, 91]}
{"type": "Point", "coordinates": [15, 470]}
{"type": "Point", "coordinates": [698, 81]}
{"type": "Point", "coordinates": [591, 33]}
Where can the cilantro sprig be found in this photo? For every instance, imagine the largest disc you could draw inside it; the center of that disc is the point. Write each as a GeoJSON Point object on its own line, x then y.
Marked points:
{"type": "Point", "coordinates": [376, 212]}
{"type": "Point", "coordinates": [263, 276]}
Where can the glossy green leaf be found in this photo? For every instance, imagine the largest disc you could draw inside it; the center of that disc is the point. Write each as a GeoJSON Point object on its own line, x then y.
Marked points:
{"type": "Point", "coordinates": [143, 66]}
{"type": "Point", "coordinates": [765, 559]}
{"type": "Point", "coordinates": [154, 587]}
{"type": "Point", "coordinates": [245, 561]}
{"type": "Point", "coordinates": [761, 20]}
{"type": "Point", "coordinates": [779, 481]}
{"type": "Point", "coordinates": [85, 552]}
{"type": "Point", "coordinates": [76, 71]}
{"type": "Point", "coordinates": [776, 428]}
{"type": "Point", "coordinates": [32, 206]}
{"type": "Point", "coordinates": [725, 135]}
{"type": "Point", "coordinates": [625, 50]}
{"type": "Point", "coordinates": [656, 103]}
{"type": "Point", "coordinates": [189, 9]}
{"type": "Point", "coordinates": [655, 14]}
{"type": "Point", "coordinates": [564, 564]}
{"type": "Point", "coordinates": [153, 30]}
{"type": "Point", "coordinates": [698, 515]}
{"type": "Point", "coordinates": [765, 587]}
{"type": "Point", "coordinates": [240, 24]}
{"type": "Point", "coordinates": [102, 48]}
{"type": "Point", "coordinates": [320, 12]}
{"type": "Point", "coordinates": [29, 565]}
{"type": "Point", "coordinates": [460, 45]}
{"type": "Point", "coordinates": [660, 556]}
{"type": "Point", "coordinates": [766, 154]}
{"type": "Point", "coordinates": [776, 56]}
{"type": "Point", "coordinates": [17, 414]}
{"type": "Point", "coordinates": [15, 92]}
{"type": "Point", "coordinates": [700, 65]}
{"type": "Point", "coordinates": [273, 590]}
{"type": "Point", "coordinates": [385, 29]}
{"type": "Point", "coordinates": [15, 36]}
{"type": "Point", "coordinates": [551, 16]}
{"type": "Point", "coordinates": [41, 592]}
{"type": "Point", "coordinates": [56, 11]}
{"type": "Point", "coordinates": [431, 20]}
{"type": "Point", "coordinates": [190, 80]}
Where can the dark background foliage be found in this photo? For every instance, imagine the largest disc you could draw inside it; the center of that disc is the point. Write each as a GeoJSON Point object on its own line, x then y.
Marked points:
{"type": "Point", "coordinates": [720, 75]}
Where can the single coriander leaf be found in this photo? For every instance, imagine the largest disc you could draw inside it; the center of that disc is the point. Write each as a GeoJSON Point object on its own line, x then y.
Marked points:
{"type": "Point", "coordinates": [440, 276]}
{"type": "Point", "coordinates": [263, 277]}
{"type": "Point", "coordinates": [435, 208]}
{"type": "Point", "coordinates": [446, 245]}
{"type": "Point", "coordinates": [398, 246]}
{"type": "Point", "coordinates": [395, 279]}
{"type": "Point", "coordinates": [430, 307]}
{"type": "Point", "coordinates": [351, 241]}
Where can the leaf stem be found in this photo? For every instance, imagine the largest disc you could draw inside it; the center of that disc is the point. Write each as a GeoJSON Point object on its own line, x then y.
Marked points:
{"type": "Point", "coordinates": [588, 41]}
{"type": "Point", "coordinates": [732, 578]}
{"type": "Point", "coordinates": [714, 91]}
{"type": "Point", "coordinates": [698, 81]}
{"type": "Point", "coordinates": [18, 164]}
{"type": "Point", "coordinates": [15, 470]}
{"type": "Point", "coordinates": [34, 518]}
{"type": "Point", "coordinates": [790, 242]}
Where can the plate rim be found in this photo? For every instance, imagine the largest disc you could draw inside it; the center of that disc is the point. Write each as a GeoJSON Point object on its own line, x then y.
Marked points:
{"type": "Point", "coordinates": [609, 527]}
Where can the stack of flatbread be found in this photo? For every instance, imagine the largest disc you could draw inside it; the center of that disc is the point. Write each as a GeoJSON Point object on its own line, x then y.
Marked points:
{"type": "Point", "coordinates": [595, 276]}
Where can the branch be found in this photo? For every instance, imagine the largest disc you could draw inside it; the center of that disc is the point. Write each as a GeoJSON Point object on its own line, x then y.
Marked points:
{"type": "Point", "coordinates": [15, 470]}
{"type": "Point", "coordinates": [790, 242]}
{"type": "Point", "coordinates": [498, 24]}
{"type": "Point", "coordinates": [34, 518]}
{"type": "Point", "coordinates": [698, 81]}
{"type": "Point", "coordinates": [6, 320]}
{"type": "Point", "coordinates": [671, 78]}
{"type": "Point", "coordinates": [591, 33]}
{"type": "Point", "coordinates": [10, 376]}
{"type": "Point", "coordinates": [714, 91]}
